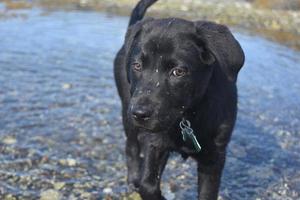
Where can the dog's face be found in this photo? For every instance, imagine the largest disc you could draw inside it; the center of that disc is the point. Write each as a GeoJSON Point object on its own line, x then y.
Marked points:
{"type": "Point", "coordinates": [169, 67]}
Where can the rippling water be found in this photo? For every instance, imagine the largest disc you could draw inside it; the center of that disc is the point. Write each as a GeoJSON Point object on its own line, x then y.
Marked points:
{"type": "Point", "coordinates": [60, 127]}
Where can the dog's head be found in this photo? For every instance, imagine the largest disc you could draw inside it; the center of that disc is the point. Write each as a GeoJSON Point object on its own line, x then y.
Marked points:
{"type": "Point", "coordinates": [169, 66]}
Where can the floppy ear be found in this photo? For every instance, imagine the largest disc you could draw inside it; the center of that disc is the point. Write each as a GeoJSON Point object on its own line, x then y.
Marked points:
{"type": "Point", "coordinates": [131, 35]}
{"type": "Point", "coordinates": [131, 39]}
{"type": "Point", "coordinates": [220, 45]}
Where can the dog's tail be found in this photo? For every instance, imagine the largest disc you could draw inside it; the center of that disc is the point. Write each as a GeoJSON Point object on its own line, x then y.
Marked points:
{"type": "Point", "coordinates": [140, 10]}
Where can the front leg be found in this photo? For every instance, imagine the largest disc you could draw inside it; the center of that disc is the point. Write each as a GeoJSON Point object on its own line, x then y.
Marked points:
{"type": "Point", "coordinates": [155, 159]}
{"type": "Point", "coordinates": [133, 161]}
{"type": "Point", "coordinates": [209, 177]}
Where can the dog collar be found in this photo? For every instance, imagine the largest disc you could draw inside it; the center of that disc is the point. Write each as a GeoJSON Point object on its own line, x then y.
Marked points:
{"type": "Point", "coordinates": [188, 134]}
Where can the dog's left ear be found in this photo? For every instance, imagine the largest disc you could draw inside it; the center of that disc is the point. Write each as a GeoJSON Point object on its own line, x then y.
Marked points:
{"type": "Point", "coordinates": [220, 45]}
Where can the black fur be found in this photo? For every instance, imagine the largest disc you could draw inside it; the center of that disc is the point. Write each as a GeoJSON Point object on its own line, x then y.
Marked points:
{"type": "Point", "coordinates": [166, 70]}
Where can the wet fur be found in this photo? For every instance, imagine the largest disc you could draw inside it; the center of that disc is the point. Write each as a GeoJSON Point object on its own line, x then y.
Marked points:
{"type": "Point", "coordinates": [207, 97]}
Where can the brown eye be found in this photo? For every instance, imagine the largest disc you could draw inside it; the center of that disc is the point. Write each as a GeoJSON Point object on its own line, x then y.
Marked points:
{"type": "Point", "coordinates": [178, 72]}
{"type": "Point", "coordinates": [137, 66]}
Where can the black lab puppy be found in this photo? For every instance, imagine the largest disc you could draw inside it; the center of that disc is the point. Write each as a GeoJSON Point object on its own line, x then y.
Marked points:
{"type": "Point", "coordinates": [177, 83]}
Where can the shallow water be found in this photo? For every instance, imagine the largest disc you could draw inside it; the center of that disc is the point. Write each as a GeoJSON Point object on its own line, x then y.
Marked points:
{"type": "Point", "coordinates": [61, 131]}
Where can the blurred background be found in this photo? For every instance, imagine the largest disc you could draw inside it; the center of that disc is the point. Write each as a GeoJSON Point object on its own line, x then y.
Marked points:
{"type": "Point", "coordinates": [61, 135]}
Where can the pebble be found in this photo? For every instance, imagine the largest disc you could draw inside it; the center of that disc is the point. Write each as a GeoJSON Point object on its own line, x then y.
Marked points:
{"type": "Point", "coordinates": [50, 195]}
{"type": "Point", "coordinates": [59, 185]}
{"type": "Point", "coordinates": [9, 197]}
{"type": "Point", "coordinates": [85, 195]}
{"type": "Point", "coordinates": [68, 162]}
{"type": "Point", "coordinates": [107, 190]}
{"type": "Point", "coordinates": [66, 86]}
{"type": "Point", "coordinates": [133, 196]}
{"type": "Point", "coordinates": [9, 140]}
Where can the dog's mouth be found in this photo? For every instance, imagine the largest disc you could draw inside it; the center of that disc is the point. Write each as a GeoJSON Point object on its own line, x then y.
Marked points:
{"type": "Point", "coordinates": [146, 128]}
{"type": "Point", "coordinates": [148, 125]}
{"type": "Point", "coordinates": [156, 124]}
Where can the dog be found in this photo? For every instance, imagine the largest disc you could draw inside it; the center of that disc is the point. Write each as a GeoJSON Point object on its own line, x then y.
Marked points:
{"type": "Point", "coordinates": [177, 83]}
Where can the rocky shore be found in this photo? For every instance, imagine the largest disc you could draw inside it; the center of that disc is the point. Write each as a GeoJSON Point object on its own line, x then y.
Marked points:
{"type": "Point", "coordinates": [239, 13]}
{"type": "Point", "coordinates": [279, 25]}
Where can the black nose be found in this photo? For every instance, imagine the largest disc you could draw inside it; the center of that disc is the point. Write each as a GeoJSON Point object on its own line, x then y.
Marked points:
{"type": "Point", "coordinates": [141, 113]}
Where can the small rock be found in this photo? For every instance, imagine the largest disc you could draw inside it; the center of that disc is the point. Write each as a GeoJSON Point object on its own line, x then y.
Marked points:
{"type": "Point", "coordinates": [9, 197]}
{"type": "Point", "coordinates": [133, 196]}
{"type": "Point", "coordinates": [9, 140]}
{"type": "Point", "coordinates": [85, 195]}
{"type": "Point", "coordinates": [58, 185]}
{"type": "Point", "coordinates": [107, 190]}
{"type": "Point", "coordinates": [184, 8]}
{"type": "Point", "coordinates": [50, 195]}
{"type": "Point", "coordinates": [68, 162]}
{"type": "Point", "coordinates": [83, 2]}
{"type": "Point", "coordinates": [66, 86]}
{"type": "Point", "coordinates": [71, 162]}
